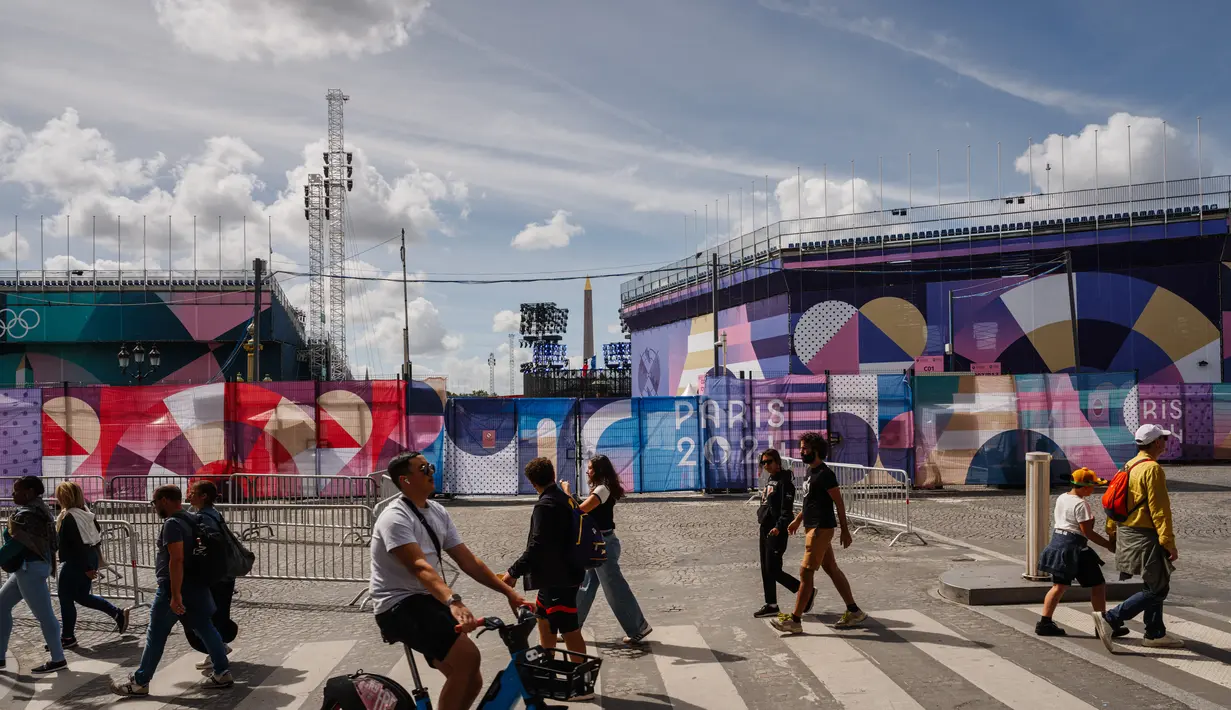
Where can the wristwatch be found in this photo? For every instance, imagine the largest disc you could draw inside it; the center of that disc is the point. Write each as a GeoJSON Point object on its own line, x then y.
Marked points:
{"type": "Point", "coordinates": [455, 599]}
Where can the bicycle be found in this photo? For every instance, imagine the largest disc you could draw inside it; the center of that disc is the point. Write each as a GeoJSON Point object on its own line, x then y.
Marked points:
{"type": "Point", "coordinates": [533, 676]}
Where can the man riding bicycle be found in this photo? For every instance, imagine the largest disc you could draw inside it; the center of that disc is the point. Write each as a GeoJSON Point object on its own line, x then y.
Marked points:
{"type": "Point", "coordinates": [413, 603]}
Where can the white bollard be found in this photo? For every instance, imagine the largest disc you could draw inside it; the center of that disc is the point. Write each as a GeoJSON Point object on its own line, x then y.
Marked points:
{"type": "Point", "coordinates": [1038, 514]}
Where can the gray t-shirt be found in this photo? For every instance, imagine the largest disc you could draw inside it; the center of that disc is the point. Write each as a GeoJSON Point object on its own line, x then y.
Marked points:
{"type": "Point", "coordinates": [397, 525]}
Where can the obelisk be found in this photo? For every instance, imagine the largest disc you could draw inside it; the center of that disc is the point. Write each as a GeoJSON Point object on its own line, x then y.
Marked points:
{"type": "Point", "coordinates": [587, 345]}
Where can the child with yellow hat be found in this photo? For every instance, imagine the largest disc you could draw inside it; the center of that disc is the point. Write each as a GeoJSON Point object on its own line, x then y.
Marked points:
{"type": "Point", "coordinates": [1068, 556]}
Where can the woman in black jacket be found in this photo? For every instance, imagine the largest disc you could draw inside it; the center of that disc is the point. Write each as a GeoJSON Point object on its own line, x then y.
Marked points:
{"type": "Point", "coordinates": [80, 538]}
{"type": "Point", "coordinates": [775, 514]}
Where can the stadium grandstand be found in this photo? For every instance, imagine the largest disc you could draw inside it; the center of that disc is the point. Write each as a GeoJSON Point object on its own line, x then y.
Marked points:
{"type": "Point", "coordinates": [72, 327]}
{"type": "Point", "coordinates": [988, 286]}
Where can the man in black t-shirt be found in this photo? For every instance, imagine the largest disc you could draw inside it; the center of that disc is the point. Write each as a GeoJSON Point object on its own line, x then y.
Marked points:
{"type": "Point", "coordinates": [821, 496]}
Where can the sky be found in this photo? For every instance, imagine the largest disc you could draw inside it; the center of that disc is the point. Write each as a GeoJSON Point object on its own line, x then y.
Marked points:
{"type": "Point", "coordinates": [559, 138]}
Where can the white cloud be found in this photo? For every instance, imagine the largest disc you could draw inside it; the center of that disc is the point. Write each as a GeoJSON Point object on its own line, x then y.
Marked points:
{"type": "Point", "coordinates": [614, 329]}
{"type": "Point", "coordinates": [467, 374]}
{"type": "Point", "coordinates": [62, 160]}
{"type": "Point", "coordinates": [551, 234]}
{"type": "Point", "coordinates": [289, 29]}
{"type": "Point", "coordinates": [816, 203]}
{"type": "Point", "coordinates": [10, 242]}
{"type": "Point", "coordinates": [124, 206]}
{"type": "Point", "coordinates": [506, 322]}
{"type": "Point", "coordinates": [1077, 171]}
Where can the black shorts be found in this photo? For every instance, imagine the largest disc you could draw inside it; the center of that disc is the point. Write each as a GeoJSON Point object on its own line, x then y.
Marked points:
{"type": "Point", "coordinates": [423, 623]}
{"type": "Point", "coordinates": [559, 606]}
{"type": "Point", "coordinates": [1089, 571]}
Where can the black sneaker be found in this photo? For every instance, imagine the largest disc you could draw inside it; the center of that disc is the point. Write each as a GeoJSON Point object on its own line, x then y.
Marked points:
{"type": "Point", "coordinates": [50, 667]}
{"type": "Point", "coordinates": [1048, 628]}
{"type": "Point", "coordinates": [65, 643]}
{"type": "Point", "coordinates": [766, 611]}
{"type": "Point", "coordinates": [811, 601]}
{"type": "Point", "coordinates": [1118, 632]}
{"type": "Point", "coordinates": [121, 620]}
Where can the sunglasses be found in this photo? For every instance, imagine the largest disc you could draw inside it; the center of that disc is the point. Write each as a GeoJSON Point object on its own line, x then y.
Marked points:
{"type": "Point", "coordinates": [766, 462]}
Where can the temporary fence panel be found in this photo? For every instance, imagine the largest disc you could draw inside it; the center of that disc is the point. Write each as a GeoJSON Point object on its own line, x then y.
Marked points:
{"type": "Point", "coordinates": [92, 486]}
{"type": "Point", "coordinates": [300, 490]}
{"type": "Point", "coordinates": [973, 429]}
{"type": "Point", "coordinates": [669, 443]}
{"type": "Point", "coordinates": [21, 432]}
{"type": "Point", "coordinates": [1188, 411]}
{"type": "Point", "coordinates": [854, 408]}
{"type": "Point", "coordinates": [273, 427]}
{"type": "Point", "coordinates": [785, 408]}
{"type": "Point", "coordinates": [326, 543]}
{"type": "Point", "coordinates": [323, 543]}
{"type": "Point", "coordinates": [653, 442]}
{"type": "Point", "coordinates": [742, 418]}
{"type": "Point", "coordinates": [546, 428]}
{"type": "Point", "coordinates": [117, 580]}
{"type": "Point", "coordinates": [874, 497]}
{"type": "Point", "coordinates": [729, 446]}
{"type": "Point", "coordinates": [481, 447]}
{"type": "Point", "coordinates": [117, 577]}
{"type": "Point", "coordinates": [425, 423]}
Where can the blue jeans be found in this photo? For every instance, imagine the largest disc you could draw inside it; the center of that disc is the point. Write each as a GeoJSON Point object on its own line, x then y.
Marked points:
{"type": "Point", "coordinates": [30, 583]}
{"type": "Point", "coordinates": [73, 589]}
{"type": "Point", "coordinates": [199, 607]}
{"type": "Point", "coordinates": [1149, 603]}
{"type": "Point", "coordinates": [619, 595]}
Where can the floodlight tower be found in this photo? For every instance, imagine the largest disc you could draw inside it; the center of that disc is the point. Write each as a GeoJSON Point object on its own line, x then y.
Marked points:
{"type": "Point", "coordinates": [314, 211]}
{"type": "Point", "coordinates": [512, 362]}
{"type": "Point", "coordinates": [491, 371]}
{"type": "Point", "coordinates": [338, 182]}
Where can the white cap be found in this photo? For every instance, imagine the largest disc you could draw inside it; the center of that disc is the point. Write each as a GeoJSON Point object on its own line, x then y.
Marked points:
{"type": "Point", "coordinates": [1149, 433]}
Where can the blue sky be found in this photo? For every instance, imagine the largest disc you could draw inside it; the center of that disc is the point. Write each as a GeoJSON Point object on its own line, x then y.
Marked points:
{"type": "Point", "coordinates": [476, 119]}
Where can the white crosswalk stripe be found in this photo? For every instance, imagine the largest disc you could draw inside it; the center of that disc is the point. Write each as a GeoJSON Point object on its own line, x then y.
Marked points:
{"type": "Point", "coordinates": [849, 676]}
{"type": "Point", "coordinates": [704, 667]}
{"type": "Point", "coordinates": [1182, 659]}
{"type": "Point", "coordinates": [998, 677]}
{"type": "Point", "coordinates": [306, 667]}
{"type": "Point", "coordinates": [690, 670]}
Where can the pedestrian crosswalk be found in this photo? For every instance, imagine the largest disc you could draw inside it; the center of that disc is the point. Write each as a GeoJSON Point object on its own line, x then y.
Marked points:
{"type": "Point", "coordinates": [935, 656]}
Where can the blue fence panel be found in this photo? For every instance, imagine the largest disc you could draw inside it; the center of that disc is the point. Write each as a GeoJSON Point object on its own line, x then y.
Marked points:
{"type": "Point", "coordinates": [609, 427]}
{"type": "Point", "coordinates": [547, 428]}
{"type": "Point", "coordinates": [670, 443]}
{"type": "Point", "coordinates": [729, 450]}
{"type": "Point", "coordinates": [480, 447]}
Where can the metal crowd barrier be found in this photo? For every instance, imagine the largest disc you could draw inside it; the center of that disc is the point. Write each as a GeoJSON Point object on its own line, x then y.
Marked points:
{"type": "Point", "coordinates": [94, 488]}
{"type": "Point", "coordinates": [248, 488]}
{"type": "Point", "coordinates": [874, 497]}
{"type": "Point", "coordinates": [314, 543]}
{"type": "Point", "coordinates": [117, 582]}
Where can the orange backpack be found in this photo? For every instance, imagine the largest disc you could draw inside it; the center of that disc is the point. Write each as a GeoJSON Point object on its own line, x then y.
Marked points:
{"type": "Point", "coordinates": [1115, 498]}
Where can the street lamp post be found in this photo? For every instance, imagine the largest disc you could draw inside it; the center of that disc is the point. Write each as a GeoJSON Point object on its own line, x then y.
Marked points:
{"type": "Point", "coordinates": [136, 364]}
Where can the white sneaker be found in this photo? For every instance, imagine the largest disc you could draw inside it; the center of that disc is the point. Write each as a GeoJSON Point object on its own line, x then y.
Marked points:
{"type": "Point", "coordinates": [202, 665]}
{"type": "Point", "coordinates": [1164, 641]}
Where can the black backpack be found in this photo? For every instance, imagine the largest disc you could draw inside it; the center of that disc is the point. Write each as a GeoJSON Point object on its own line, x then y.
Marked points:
{"type": "Point", "coordinates": [365, 691]}
{"type": "Point", "coordinates": [239, 559]}
{"type": "Point", "coordinates": [587, 549]}
{"type": "Point", "coordinates": [205, 551]}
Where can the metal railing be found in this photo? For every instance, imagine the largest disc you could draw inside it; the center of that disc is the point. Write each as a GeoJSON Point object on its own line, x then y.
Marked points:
{"type": "Point", "coordinates": [1078, 210]}
{"type": "Point", "coordinates": [874, 497]}
{"type": "Point", "coordinates": [117, 580]}
{"type": "Point", "coordinates": [247, 488]}
{"type": "Point", "coordinates": [94, 488]}
{"type": "Point", "coordinates": [314, 543]}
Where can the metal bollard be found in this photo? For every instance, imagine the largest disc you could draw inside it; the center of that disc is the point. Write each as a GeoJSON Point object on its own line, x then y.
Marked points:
{"type": "Point", "coordinates": [1038, 516]}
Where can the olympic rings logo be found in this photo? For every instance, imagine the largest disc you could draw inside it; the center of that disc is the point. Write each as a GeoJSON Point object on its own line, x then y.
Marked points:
{"type": "Point", "coordinates": [11, 321]}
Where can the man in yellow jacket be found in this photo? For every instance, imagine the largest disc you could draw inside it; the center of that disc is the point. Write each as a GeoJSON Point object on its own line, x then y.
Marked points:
{"type": "Point", "coordinates": [1144, 544]}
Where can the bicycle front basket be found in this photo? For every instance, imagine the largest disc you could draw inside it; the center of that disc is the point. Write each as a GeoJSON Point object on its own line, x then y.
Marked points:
{"type": "Point", "coordinates": [557, 674]}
